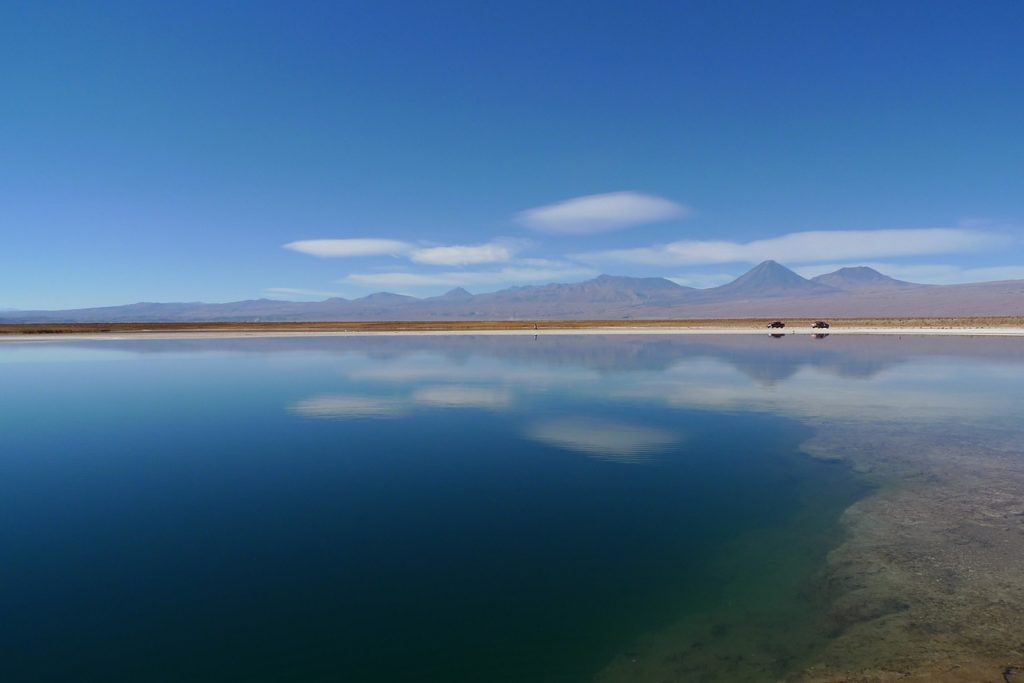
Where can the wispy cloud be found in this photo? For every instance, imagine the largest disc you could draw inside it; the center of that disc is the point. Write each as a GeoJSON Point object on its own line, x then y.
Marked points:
{"type": "Point", "coordinates": [298, 292]}
{"type": "Point", "coordinates": [805, 247]}
{"type": "Point", "coordinates": [345, 248]}
{"type": "Point", "coordinates": [440, 255]}
{"type": "Point", "coordinates": [465, 255]}
{"type": "Point", "coordinates": [508, 275]}
{"type": "Point", "coordinates": [600, 213]}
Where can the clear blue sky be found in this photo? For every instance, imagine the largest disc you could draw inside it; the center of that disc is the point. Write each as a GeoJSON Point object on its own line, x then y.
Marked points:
{"type": "Point", "coordinates": [169, 151]}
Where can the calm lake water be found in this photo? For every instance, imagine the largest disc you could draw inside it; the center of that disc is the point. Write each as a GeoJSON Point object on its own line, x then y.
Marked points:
{"type": "Point", "coordinates": [432, 508]}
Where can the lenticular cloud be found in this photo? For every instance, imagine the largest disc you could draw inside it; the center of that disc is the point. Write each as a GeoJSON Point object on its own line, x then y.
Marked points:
{"type": "Point", "coordinates": [600, 213]}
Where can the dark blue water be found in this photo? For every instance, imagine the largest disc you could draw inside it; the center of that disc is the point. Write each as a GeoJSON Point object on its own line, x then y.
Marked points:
{"type": "Point", "coordinates": [402, 509]}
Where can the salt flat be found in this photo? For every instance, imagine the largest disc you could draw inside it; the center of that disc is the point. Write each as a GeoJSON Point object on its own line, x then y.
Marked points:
{"type": "Point", "coordinates": [547, 332]}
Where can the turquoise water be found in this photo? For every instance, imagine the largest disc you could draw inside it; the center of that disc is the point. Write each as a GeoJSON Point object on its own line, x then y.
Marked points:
{"type": "Point", "coordinates": [423, 509]}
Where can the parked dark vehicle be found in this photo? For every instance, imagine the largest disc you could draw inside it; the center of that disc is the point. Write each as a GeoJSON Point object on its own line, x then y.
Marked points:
{"type": "Point", "coordinates": [820, 325]}
{"type": "Point", "coordinates": [776, 335]}
{"type": "Point", "coordinates": [777, 324]}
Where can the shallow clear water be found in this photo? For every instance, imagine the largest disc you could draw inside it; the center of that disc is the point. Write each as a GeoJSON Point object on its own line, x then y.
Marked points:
{"type": "Point", "coordinates": [436, 509]}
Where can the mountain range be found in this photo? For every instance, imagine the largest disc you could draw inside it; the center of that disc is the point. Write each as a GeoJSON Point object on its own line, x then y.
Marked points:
{"type": "Point", "coordinates": [767, 290]}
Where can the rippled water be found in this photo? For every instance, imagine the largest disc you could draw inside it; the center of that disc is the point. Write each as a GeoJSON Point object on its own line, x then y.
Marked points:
{"type": "Point", "coordinates": [439, 509]}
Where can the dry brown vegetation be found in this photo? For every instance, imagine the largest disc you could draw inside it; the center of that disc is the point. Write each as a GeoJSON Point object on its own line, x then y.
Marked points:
{"type": "Point", "coordinates": [458, 325]}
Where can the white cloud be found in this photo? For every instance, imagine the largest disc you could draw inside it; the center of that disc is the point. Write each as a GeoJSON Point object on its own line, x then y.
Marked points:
{"type": "Point", "coordinates": [509, 275]}
{"type": "Point", "coordinates": [991, 273]}
{"type": "Point", "coordinates": [464, 255]}
{"type": "Point", "coordinates": [600, 213]}
{"type": "Point", "coordinates": [603, 439]}
{"type": "Point", "coordinates": [703, 280]}
{"type": "Point", "coordinates": [805, 247]}
{"type": "Point", "coordinates": [344, 248]}
{"type": "Point", "coordinates": [442, 255]}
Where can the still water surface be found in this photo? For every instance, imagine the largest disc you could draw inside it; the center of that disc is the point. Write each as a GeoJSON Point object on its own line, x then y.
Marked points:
{"type": "Point", "coordinates": [432, 509]}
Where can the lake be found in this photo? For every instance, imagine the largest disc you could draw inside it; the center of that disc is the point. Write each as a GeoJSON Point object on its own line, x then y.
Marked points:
{"type": "Point", "coordinates": [465, 508]}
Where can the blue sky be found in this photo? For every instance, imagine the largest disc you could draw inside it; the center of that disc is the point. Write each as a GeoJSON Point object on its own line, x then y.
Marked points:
{"type": "Point", "coordinates": [229, 150]}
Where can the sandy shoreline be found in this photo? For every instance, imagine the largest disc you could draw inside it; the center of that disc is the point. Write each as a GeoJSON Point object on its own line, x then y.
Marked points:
{"type": "Point", "coordinates": [577, 331]}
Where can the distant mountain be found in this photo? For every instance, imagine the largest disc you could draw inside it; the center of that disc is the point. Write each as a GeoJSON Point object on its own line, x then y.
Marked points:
{"type": "Point", "coordinates": [859, 279]}
{"type": "Point", "coordinates": [386, 298]}
{"type": "Point", "coordinates": [606, 289]}
{"type": "Point", "coordinates": [768, 279]}
{"type": "Point", "coordinates": [649, 286]}
{"type": "Point", "coordinates": [457, 294]}
{"type": "Point", "coordinates": [767, 290]}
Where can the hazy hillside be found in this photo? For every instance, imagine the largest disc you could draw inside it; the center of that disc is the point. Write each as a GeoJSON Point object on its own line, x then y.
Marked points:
{"type": "Point", "coordinates": [768, 279]}
{"type": "Point", "coordinates": [769, 289]}
{"type": "Point", "coordinates": [861, 279]}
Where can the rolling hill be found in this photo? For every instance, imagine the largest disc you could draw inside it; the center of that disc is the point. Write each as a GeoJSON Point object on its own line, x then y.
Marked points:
{"type": "Point", "coordinates": [768, 289]}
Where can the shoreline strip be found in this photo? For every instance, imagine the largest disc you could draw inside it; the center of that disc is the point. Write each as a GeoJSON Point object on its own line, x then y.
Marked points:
{"type": "Point", "coordinates": [581, 331]}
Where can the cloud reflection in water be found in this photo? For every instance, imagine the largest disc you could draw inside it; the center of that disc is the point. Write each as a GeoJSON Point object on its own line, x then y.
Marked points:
{"type": "Point", "coordinates": [603, 439]}
{"type": "Point", "coordinates": [850, 380]}
{"type": "Point", "coordinates": [342, 406]}
{"type": "Point", "coordinates": [459, 396]}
